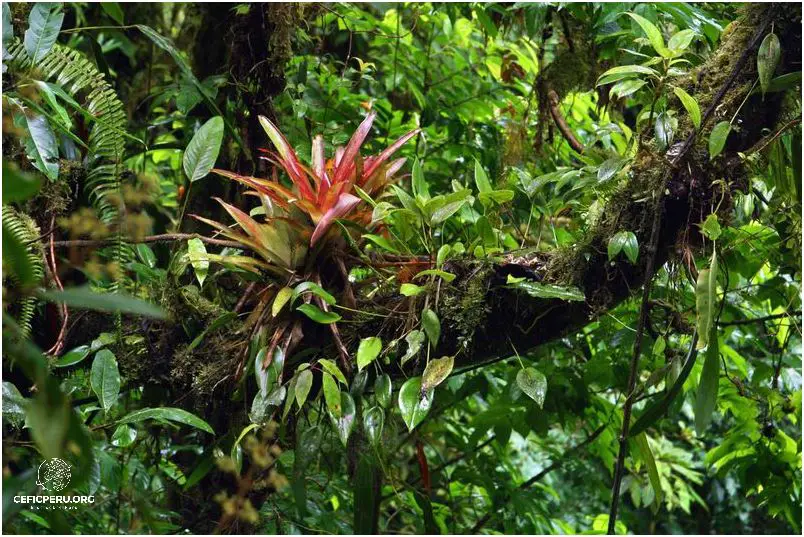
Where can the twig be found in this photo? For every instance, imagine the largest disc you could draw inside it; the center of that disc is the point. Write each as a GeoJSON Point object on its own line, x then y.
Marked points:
{"type": "Point", "coordinates": [527, 484]}
{"type": "Point", "coordinates": [165, 237]}
{"type": "Point", "coordinates": [759, 319]}
{"type": "Point", "coordinates": [65, 314]}
{"type": "Point", "coordinates": [632, 375]}
{"type": "Point", "coordinates": [555, 111]}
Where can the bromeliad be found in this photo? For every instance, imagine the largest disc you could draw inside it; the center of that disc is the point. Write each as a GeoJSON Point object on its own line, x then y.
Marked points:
{"type": "Point", "coordinates": [318, 196]}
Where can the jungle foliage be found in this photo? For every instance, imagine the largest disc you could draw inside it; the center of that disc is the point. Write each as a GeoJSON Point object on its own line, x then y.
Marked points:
{"type": "Point", "coordinates": [403, 268]}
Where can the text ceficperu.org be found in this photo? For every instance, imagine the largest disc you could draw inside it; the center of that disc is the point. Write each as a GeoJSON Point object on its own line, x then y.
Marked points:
{"type": "Point", "coordinates": [54, 500]}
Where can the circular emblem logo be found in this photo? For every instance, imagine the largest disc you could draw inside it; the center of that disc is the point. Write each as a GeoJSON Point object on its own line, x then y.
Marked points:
{"type": "Point", "coordinates": [54, 475]}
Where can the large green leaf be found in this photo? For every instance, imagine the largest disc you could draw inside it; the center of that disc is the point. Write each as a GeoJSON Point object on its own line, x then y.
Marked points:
{"type": "Point", "coordinates": [767, 59]}
{"type": "Point", "coordinates": [367, 351]}
{"type": "Point", "coordinates": [414, 403]}
{"type": "Point", "coordinates": [706, 399]}
{"type": "Point", "coordinates": [718, 137]}
{"type": "Point", "coordinates": [705, 297]}
{"type": "Point", "coordinates": [436, 372]}
{"type": "Point", "coordinates": [86, 298]}
{"type": "Point", "coordinates": [41, 146]}
{"type": "Point", "coordinates": [13, 404]}
{"type": "Point", "coordinates": [105, 378]}
{"type": "Point", "coordinates": [653, 33]}
{"type": "Point", "coordinates": [203, 149]}
{"type": "Point", "coordinates": [533, 383]}
{"type": "Point", "coordinates": [44, 24]}
{"type": "Point", "coordinates": [691, 105]}
{"type": "Point", "coordinates": [432, 326]}
{"type": "Point", "coordinates": [167, 414]}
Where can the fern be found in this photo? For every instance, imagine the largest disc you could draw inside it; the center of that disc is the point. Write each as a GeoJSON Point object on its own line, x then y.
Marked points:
{"type": "Point", "coordinates": [104, 163]}
{"type": "Point", "coordinates": [25, 230]}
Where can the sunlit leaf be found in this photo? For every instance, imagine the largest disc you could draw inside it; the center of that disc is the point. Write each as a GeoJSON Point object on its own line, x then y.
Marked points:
{"type": "Point", "coordinates": [367, 351]}
{"type": "Point", "coordinates": [436, 372]}
{"type": "Point", "coordinates": [414, 403]}
{"type": "Point", "coordinates": [533, 384]}
{"type": "Point", "coordinates": [105, 378]}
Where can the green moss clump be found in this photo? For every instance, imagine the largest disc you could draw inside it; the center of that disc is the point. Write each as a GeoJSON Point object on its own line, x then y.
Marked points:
{"type": "Point", "coordinates": [463, 308]}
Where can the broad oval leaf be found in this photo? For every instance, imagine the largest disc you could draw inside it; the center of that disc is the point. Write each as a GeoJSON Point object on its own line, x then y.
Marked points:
{"type": "Point", "coordinates": [302, 388]}
{"type": "Point", "coordinates": [73, 356]}
{"type": "Point", "coordinates": [481, 178]}
{"type": "Point", "coordinates": [203, 149]}
{"type": "Point", "coordinates": [345, 422]}
{"type": "Point", "coordinates": [317, 315]}
{"type": "Point", "coordinates": [411, 289]}
{"type": "Point", "coordinates": [414, 339]}
{"type": "Point", "coordinates": [373, 422]}
{"type": "Point", "coordinates": [383, 390]}
{"type": "Point", "coordinates": [436, 372]}
{"type": "Point", "coordinates": [124, 436]}
{"type": "Point", "coordinates": [533, 383]}
{"type": "Point", "coordinates": [680, 41]}
{"type": "Point", "coordinates": [432, 326]}
{"type": "Point", "coordinates": [13, 402]}
{"type": "Point", "coordinates": [44, 24]}
{"type": "Point", "coordinates": [332, 395]}
{"type": "Point", "coordinates": [314, 288]}
{"type": "Point", "coordinates": [282, 297]}
{"type": "Point", "coordinates": [768, 59]}
{"type": "Point", "coordinates": [414, 403]}
{"type": "Point", "coordinates": [624, 241]}
{"type": "Point", "coordinates": [41, 146]}
{"type": "Point", "coordinates": [718, 137]}
{"type": "Point", "coordinates": [664, 131]}
{"type": "Point", "coordinates": [105, 378]}
{"type": "Point", "coordinates": [690, 105]}
{"type": "Point", "coordinates": [367, 351]}
{"type": "Point", "coordinates": [197, 253]}
{"type": "Point", "coordinates": [167, 414]}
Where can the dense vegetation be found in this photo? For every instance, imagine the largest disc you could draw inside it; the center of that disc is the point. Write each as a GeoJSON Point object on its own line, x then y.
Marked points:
{"type": "Point", "coordinates": [403, 268]}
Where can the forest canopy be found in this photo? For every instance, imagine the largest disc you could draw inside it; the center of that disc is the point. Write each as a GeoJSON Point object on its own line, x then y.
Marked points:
{"type": "Point", "coordinates": [420, 268]}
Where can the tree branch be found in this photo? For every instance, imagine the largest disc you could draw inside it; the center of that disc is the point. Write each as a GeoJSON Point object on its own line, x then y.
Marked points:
{"type": "Point", "coordinates": [739, 322]}
{"type": "Point", "coordinates": [165, 237]}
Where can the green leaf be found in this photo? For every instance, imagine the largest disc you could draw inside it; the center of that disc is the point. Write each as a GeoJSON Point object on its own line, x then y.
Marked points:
{"type": "Point", "coordinates": [442, 255]}
{"type": "Point", "coordinates": [314, 288]}
{"type": "Point", "coordinates": [420, 188]}
{"type": "Point", "coordinates": [646, 455]}
{"type": "Point", "coordinates": [768, 59]}
{"type": "Point", "coordinates": [146, 255]}
{"type": "Point", "coordinates": [167, 414]}
{"type": "Point", "coordinates": [282, 297]}
{"type": "Point", "coordinates": [481, 179]}
{"type": "Point", "coordinates": [440, 208]}
{"type": "Point", "coordinates": [609, 169]}
{"type": "Point", "coordinates": [44, 24]}
{"type": "Point", "coordinates": [86, 298]}
{"type": "Point", "coordinates": [705, 297]}
{"type": "Point", "coordinates": [625, 71]}
{"type": "Point", "coordinates": [373, 422]}
{"type": "Point", "coordinates": [73, 357]}
{"type": "Point", "coordinates": [680, 41]}
{"type": "Point", "coordinates": [48, 94]}
{"type": "Point", "coordinates": [653, 33]}
{"type": "Point", "coordinates": [414, 403]}
{"type": "Point", "coordinates": [711, 227]}
{"type": "Point", "coordinates": [367, 351]}
{"type": "Point", "coordinates": [382, 242]}
{"type": "Point", "coordinates": [624, 241]}
{"type": "Point", "coordinates": [302, 387]}
{"type": "Point", "coordinates": [415, 340]}
{"type": "Point", "coordinates": [8, 28]}
{"type": "Point", "coordinates": [546, 290]}
{"type": "Point", "coordinates": [41, 146]}
{"type": "Point", "coordinates": [436, 372]}
{"type": "Point", "coordinates": [105, 378]}
{"type": "Point", "coordinates": [432, 326]}
{"type": "Point", "coordinates": [15, 257]}
{"type": "Point", "coordinates": [706, 399]}
{"type": "Point", "coordinates": [332, 395]}
{"type": "Point", "coordinates": [383, 390]}
{"type": "Point", "coordinates": [627, 87]}
{"type": "Point", "coordinates": [114, 11]}
{"type": "Point", "coordinates": [13, 403]}
{"type": "Point", "coordinates": [410, 289]}
{"type": "Point", "coordinates": [345, 422]}
{"type": "Point", "coordinates": [321, 317]}
{"type": "Point", "coordinates": [203, 149]}
{"type": "Point", "coordinates": [784, 82]}
{"type": "Point", "coordinates": [718, 137]}
{"type": "Point", "coordinates": [18, 185]}
{"type": "Point", "coordinates": [690, 105]}
{"type": "Point", "coordinates": [332, 368]}
{"type": "Point", "coordinates": [124, 436]}
{"type": "Point", "coordinates": [495, 196]}
{"type": "Point", "coordinates": [197, 253]}
{"type": "Point", "coordinates": [664, 131]}
{"type": "Point", "coordinates": [446, 276]}
{"type": "Point", "coordinates": [533, 383]}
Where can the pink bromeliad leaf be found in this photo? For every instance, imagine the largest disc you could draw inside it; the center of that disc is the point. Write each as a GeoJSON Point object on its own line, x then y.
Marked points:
{"type": "Point", "coordinates": [347, 161]}
{"type": "Point", "coordinates": [346, 202]}
{"type": "Point", "coordinates": [288, 159]}
{"type": "Point", "coordinates": [375, 162]}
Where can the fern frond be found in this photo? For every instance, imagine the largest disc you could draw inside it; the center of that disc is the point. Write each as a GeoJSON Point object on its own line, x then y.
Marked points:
{"type": "Point", "coordinates": [25, 230]}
